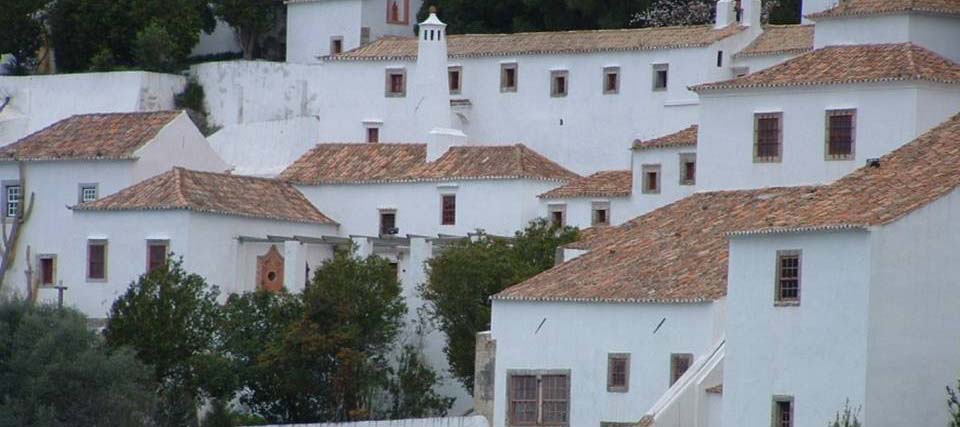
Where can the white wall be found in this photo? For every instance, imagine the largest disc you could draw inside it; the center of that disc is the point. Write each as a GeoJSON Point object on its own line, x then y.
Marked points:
{"type": "Point", "coordinates": [815, 352]}
{"type": "Point", "coordinates": [179, 143]}
{"type": "Point", "coordinates": [754, 63]}
{"type": "Point", "coordinates": [579, 210]}
{"type": "Point", "coordinates": [265, 148]}
{"type": "Point", "coordinates": [311, 24]}
{"type": "Point", "coordinates": [579, 336]}
{"type": "Point", "coordinates": [888, 116]}
{"type": "Point", "coordinates": [936, 33]}
{"type": "Point", "coordinates": [45, 99]}
{"type": "Point", "coordinates": [670, 188]}
{"type": "Point", "coordinates": [912, 345]}
{"type": "Point", "coordinates": [814, 6]}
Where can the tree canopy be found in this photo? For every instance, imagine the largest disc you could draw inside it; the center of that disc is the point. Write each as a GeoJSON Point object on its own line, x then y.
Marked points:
{"type": "Point", "coordinates": [252, 18]}
{"type": "Point", "coordinates": [21, 31]}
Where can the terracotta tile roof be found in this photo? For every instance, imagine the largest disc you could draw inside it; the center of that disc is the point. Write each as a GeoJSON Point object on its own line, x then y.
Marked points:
{"type": "Point", "coordinates": [779, 40]}
{"type": "Point", "coordinates": [686, 137]}
{"type": "Point", "coordinates": [850, 64]}
{"type": "Point", "coordinates": [217, 193]}
{"type": "Point", "coordinates": [556, 42]}
{"type": "Point", "coordinates": [601, 184]}
{"type": "Point", "coordinates": [108, 136]}
{"type": "Point", "coordinates": [678, 253]}
{"type": "Point", "coordinates": [493, 162]}
{"type": "Point", "coordinates": [347, 163]}
{"type": "Point", "coordinates": [876, 7]}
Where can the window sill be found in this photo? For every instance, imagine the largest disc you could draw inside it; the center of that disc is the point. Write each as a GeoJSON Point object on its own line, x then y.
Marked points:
{"type": "Point", "coordinates": [688, 183]}
{"type": "Point", "coordinates": [766, 160]}
{"type": "Point", "coordinates": [506, 90]}
{"type": "Point", "coordinates": [836, 158]}
{"type": "Point", "coordinates": [786, 304]}
{"type": "Point", "coordinates": [396, 95]}
{"type": "Point", "coordinates": [617, 390]}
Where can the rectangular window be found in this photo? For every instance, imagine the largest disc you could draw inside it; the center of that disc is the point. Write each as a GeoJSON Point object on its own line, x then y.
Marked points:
{"type": "Point", "coordinates": [558, 215]}
{"type": "Point", "coordinates": [336, 45]}
{"type": "Point", "coordinates": [87, 193]}
{"type": "Point", "coordinates": [538, 398]}
{"type": "Point", "coordinates": [13, 197]}
{"type": "Point", "coordinates": [388, 223]}
{"type": "Point", "coordinates": [448, 210]}
{"type": "Point", "coordinates": [397, 11]}
{"type": "Point", "coordinates": [660, 73]}
{"type": "Point", "coordinates": [611, 80]}
{"type": "Point", "coordinates": [679, 363]}
{"type": "Point", "coordinates": [558, 83]}
{"type": "Point", "coordinates": [782, 411]}
{"type": "Point", "coordinates": [601, 213]}
{"type": "Point", "coordinates": [508, 77]}
{"type": "Point", "coordinates": [396, 83]}
{"type": "Point", "coordinates": [788, 277]}
{"type": "Point", "coordinates": [651, 179]}
{"type": "Point", "coordinates": [455, 75]}
{"type": "Point", "coordinates": [373, 134]}
{"type": "Point", "coordinates": [618, 372]}
{"type": "Point", "coordinates": [157, 254]}
{"type": "Point", "coordinates": [364, 36]}
{"type": "Point", "coordinates": [48, 269]}
{"type": "Point", "coordinates": [719, 58]}
{"type": "Point", "coordinates": [841, 134]}
{"type": "Point", "coordinates": [96, 260]}
{"type": "Point", "coordinates": [688, 168]}
{"type": "Point", "coordinates": [768, 137]}
{"type": "Point", "coordinates": [395, 269]}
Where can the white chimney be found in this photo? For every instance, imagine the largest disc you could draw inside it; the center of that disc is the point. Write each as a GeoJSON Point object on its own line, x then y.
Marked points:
{"type": "Point", "coordinates": [726, 14]}
{"type": "Point", "coordinates": [752, 10]}
{"type": "Point", "coordinates": [431, 89]}
{"type": "Point", "coordinates": [440, 140]}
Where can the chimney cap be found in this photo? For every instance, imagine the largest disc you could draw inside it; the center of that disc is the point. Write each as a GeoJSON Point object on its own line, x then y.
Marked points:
{"type": "Point", "coordinates": [433, 8]}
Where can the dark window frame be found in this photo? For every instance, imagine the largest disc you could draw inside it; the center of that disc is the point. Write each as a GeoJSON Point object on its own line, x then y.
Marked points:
{"type": "Point", "coordinates": [595, 217]}
{"type": "Point", "coordinates": [560, 209]}
{"type": "Point", "coordinates": [336, 45]}
{"type": "Point", "coordinates": [761, 137]}
{"type": "Point", "coordinates": [830, 153]}
{"type": "Point", "coordinates": [777, 416]}
{"type": "Point", "coordinates": [661, 77]}
{"type": "Point", "coordinates": [448, 211]}
{"type": "Point", "coordinates": [388, 213]}
{"type": "Point", "coordinates": [41, 259]}
{"type": "Point", "coordinates": [788, 295]}
{"type": "Point", "coordinates": [455, 71]}
{"type": "Point", "coordinates": [155, 243]}
{"type": "Point", "coordinates": [614, 360]}
{"type": "Point", "coordinates": [373, 134]}
{"type": "Point", "coordinates": [104, 267]}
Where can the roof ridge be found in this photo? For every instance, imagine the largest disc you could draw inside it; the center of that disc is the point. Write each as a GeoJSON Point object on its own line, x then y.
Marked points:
{"type": "Point", "coordinates": [179, 191]}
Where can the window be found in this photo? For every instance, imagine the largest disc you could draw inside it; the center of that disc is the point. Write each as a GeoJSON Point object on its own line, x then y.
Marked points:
{"type": "Point", "coordinates": [157, 254]}
{"type": "Point", "coordinates": [48, 269]}
{"type": "Point", "coordinates": [448, 209]}
{"type": "Point", "coordinates": [601, 213]}
{"type": "Point", "coordinates": [719, 58]}
{"type": "Point", "coordinates": [508, 77]}
{"type": "Point", "coordinates": [782, 411]}
{"type": "Point", "coordinates": [454, 75]}
{"type": "Point", "coordinates": [679, 363]}
{"type": "Point", "coordinates": [96, 260]}
{"type": "Point", "coordinates": [388, 223]}
{"type": "Point", "coordinates": [13, 197]}
{"type": "Point", "coordinates": [373, 134]}
{"type": "Point", "coordinates": [396, 83]}
{"type": "Point", "coordinates": [788, 277]}
{"type": "Point", "coordinates": [397, 11]}
{"type": "Point", "coordinates": [336, 45]}
{"type": "Point", "coordinates": [538, 398]}
{"type": "Point", "coordinates": [768, 137]}
{"type": "Point", "coordinates": [651, 179]}
{"type": "Point", "coordinates": [395, 269]}
{"type": "Point", "coordinates": [558, 83]}
{"type": "Point", "coordinates": [87, 193]}
{"type": "Point", "coordinates": [841, 134]}
{"type": "Point", "coordinates": [558, 215]}
{"type": "Point", "coordinates": [611, 80]}
{"type": "Point", "coordinates": [618, 372]}
{"type": "Point", "coordinates": [688, 168]}
{"type": "Point", "coordinates": [364, 36]}
{"type": "Point", "coordinates": [660, 72]}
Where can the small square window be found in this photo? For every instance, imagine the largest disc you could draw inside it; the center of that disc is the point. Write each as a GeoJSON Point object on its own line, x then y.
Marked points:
{"type": "Point", "coordinates": [688, 168]}
{"type": "Point", "coordinates": [618, 372]}
{"type": "Point", "coordinates": [558, 215]}
{"type": "Point", "coordinates": [388, 223]}
{"type": "Point", "coordinates": [157, 254]}
{"type": "Point", "coordinates": [455, 76]}
{"type": "Point", "coordinates": [660, 74]}
{"type": "Point", "coordinates": [840, 134]}
{"type": "Point", "coordinates": [396, 83]}
{"type": "Point", "coordinates": [373, 134]}
{"type": "Point", "coordinates": [611, 80]}
{"type": "Point", "coordinates": [601, 213]}
{"type": "Point", "coordinates": [679, 364]}
{"type": "Point", "coordinates": [508, 77]}
{"type": "Point", "coordinates": [558, 83]}
{"type": "Point", "coordinates": [48, 269]}
{"type": "Point", "coordinates": [782, 411]}
{"type": "Point", "coordinates": [788, 278]}
{"type": "Point", "coordinates": [651, 179]}
{"type": "Point", "coordinates": [87, 193]}
{"type": "Point", "coordinates": [448, 209]}
{"type": "Point", "coordinates": [336, 45]}
{"type": "Point", "coordinates": [768, 137]}
{"type": "Point", "coordinates": [96, 260]}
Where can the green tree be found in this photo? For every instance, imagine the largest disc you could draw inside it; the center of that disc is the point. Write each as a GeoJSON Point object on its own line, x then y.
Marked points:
{"type": "Point", "coordinates": [412, 388]}
{"type": "Point", "coordinates": [21, 31]}
{"type": "Point", "coordinates": [154, 49]}
{"type": "Point", "coordinates": [464, 276]}
{"type": "Point", "coordinates": [54, 371]}
{"type": "Point", "coordinates": [953, 405]}
{"type": "Point", "coordinates": [170, 318]}
{"type": "Point", "coordinates": [332, 364]}
{"type": "Point", "coordinates": [252, 18]}
{"type": "Point", "coordinates": [509, 16]}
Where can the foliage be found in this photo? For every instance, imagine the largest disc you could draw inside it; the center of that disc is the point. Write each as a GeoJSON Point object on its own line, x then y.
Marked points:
{"type": "Point", "coordinates": [411, 389]}
{"type": "Point", "coordinates": [82, 29]}
{"type": "Point", "coordinates": [664, 13]}
{"type": "Point", "coordinates": [331, 364]}
{"type": "Point", "coordinates": [508, 16]}
{"type": "Point", "coordinates": [154, 49]}
{"type": "Point", "coordinates": [103, 61]}
{"type": "Point", "coordinates": [252, 18]}
{"type": "Point", "coordinates": [56, 372]}
{"type": "Point", "coordinates": [170, 318]}
{"type": "Point", "coordinates": [847, 417]}
{"type": "Point", "coordinates": [953, 405]}
{"type": "Point", "coordinates": [464, 276]}
{"type": "Point", "coordinates": [193, 99]}
{"type": "Point", "coordinates": [219, 415]}
{"type": "Point", "coordinates": [21, 31]}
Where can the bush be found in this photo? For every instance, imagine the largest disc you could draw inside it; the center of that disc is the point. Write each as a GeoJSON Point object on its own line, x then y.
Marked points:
{"type": "Point", "coordinates": [155, 50]}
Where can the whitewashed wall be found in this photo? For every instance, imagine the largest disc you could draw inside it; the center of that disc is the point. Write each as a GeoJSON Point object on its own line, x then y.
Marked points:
{"type": "Point", "coordinates": [579, 337]}
{"type": "Point", "coordinates": [670, 188]}
{"type": "Point", "coordinates": [179, 143]}
{"type": "Point", "coordinates": [265, 148]}
{"type": "Point", "coordinates": [311, 24]}
{"type": "Point", "coordinates": [815, 352]}
{"type": "Point", "coordinates": [936, 33]}
{"type": "Point", "coordinates": [756, 63]}
{"type": "Point", "coordinates": [888, 116]}
{"type": "Point", "coordinates": [472, 421]}
{"type": "Point", "coordinates": [579, 210]}
{"type": "Point", "coordinates": [45, 99]}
